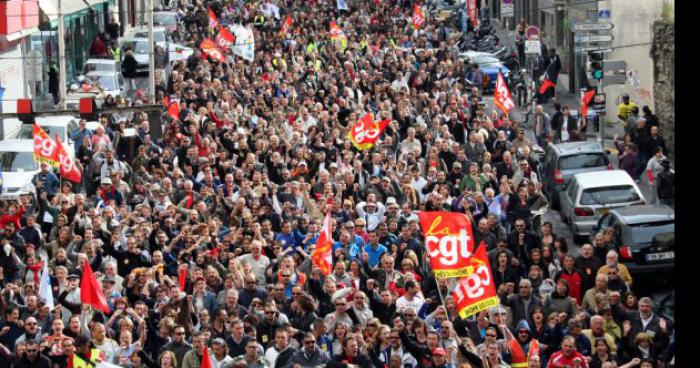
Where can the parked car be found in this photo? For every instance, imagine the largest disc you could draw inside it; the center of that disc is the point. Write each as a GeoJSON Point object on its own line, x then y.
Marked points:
{"type": "Point", "coordinates": [489, 63]}
{"type": "Point", "coordinates": [165, 19]}
{"type": "Point", "coordinates": [590, 195]}
{"type": "Point", "coordinates": [62, 125]}
{"type": "Point", "coordinates": [161, 37]}
{"type": "Point", "coordinates": [109, 82]}
{"type": "Point", "coordinates": [561, 161]}
{"type": "Point", "coordinates": [101, 65]}
{"type": "Point", "coordinates": [176, 52]}
{"type": "Point", "coordinates": [18, 167]}
{"type": "Point", "coordinates": [645, 236]}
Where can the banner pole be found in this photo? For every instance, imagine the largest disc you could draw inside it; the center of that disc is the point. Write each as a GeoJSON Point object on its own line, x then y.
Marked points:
{"type": "Point", "coordinates": [442, 299]}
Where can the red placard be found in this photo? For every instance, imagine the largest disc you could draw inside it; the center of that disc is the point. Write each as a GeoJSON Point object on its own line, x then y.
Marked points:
{"type": "Point", "coordinates": [418, 17]}
{"type": "Point", "coordinates": [450, 242]}
{"type": "Point", "coordinates": [476, 292]}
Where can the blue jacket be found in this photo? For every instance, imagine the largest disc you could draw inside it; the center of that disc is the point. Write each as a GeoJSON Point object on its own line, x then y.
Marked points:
{"type": "Point", "coordinates": [209, 301]}
{"type": "Point", "coordinates": [51, 182]}
{"type": "Point", "coordinates": [77, 138]}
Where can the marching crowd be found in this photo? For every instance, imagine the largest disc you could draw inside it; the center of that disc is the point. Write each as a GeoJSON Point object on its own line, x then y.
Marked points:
{"type": "Point", "coordinates": [202, 241]}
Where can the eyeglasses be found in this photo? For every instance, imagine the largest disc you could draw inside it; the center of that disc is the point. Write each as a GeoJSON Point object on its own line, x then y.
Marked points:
{"type": "Point", "coordinates": [30, 323]}
{"type": "Point", "coordinates": [310, 342]}
{"type": "Point", "coordinates": [32, 350]}
{"type": "Point", "coordinates": [269, 312]}
{"type": "Point", "coordinates": [277, 289]}
{"type": "Point", "coordinates": [286, 275]}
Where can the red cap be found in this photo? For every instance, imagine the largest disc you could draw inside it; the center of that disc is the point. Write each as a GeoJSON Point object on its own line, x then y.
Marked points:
{"type": "Point", "coordinates": [439, 351]}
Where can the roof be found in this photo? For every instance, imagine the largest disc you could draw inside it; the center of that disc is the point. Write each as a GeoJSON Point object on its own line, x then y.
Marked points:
{"type": "Point", "coordinates": [101, 61]}
{"type": "Point", "coordinates": [17, 145]}
{"type": "Point", "coordinates": [61, 120]}
{"type": "Point", "coordinates": [101, 73]}
{"type": "Point", "coordinates": [603, 178]}
{"type": "Point", "coordinates": [576, 147]}
{"type": "Point", "coordinates": [645, 214]}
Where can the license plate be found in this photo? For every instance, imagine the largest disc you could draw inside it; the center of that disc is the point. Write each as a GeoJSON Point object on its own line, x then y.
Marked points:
{"type": "Point", "coordinates": [660, 256]}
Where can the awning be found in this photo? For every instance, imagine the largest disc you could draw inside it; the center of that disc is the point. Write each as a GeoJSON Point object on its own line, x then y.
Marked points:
{"type": "Point", "coordinates": [50, 8]}
{"type": "Point", "coordinates": [68, 7]}
{"type": "Point", "coordinates": [20, 34]}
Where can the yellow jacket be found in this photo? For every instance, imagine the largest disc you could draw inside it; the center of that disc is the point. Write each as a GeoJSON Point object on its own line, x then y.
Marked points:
{"type": "Point", "coordinates": [622, 270]}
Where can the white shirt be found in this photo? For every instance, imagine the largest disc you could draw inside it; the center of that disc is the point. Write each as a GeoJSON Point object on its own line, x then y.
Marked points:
{"type": "Point", "coordinates": [218, 364]}
{"type": "Point", "coordinates": [402, 303]}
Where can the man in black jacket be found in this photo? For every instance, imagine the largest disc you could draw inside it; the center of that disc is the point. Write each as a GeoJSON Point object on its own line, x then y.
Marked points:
{"type": "Point", "coordinates": [32, 357]}
{"type": "Point", "coordinates": [351, 355]}
{"type": "Point", "coordinates": [129, 65]}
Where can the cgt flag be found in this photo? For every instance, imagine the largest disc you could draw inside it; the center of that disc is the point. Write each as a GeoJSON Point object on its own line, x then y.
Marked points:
{"type": "Point", "coordinates": [225, 39]}
{"type": "Point", "coordinates": [68, 169]}
{"type": "Point", "coordinates": [45, 149]}
{"type": "Point", "coordinates": [209, 47]}
{"type": "Point", "coordinates": [287, 25]}
{"type": "Point", "coordinates": [338, 36]}
{"type": "Point", "coordinates": [476, 291]}
{"type": "Point", "coordinates": [501, 95]}
{"type": "Point", "coordinates": [450, 242]}
{"type": "Point", "coordinates": [418, 17]}
{"type": "Point", "coordinates": [213, 20]}
{"type": "Point", "coordinates": [366, 131]}
{"type": "Point", "coordinates": [322, 256]}
{"type": "Point", "coordinates": [90, 290]}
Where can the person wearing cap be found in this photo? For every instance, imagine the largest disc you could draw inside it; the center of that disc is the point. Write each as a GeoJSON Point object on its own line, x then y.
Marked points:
{"type": "Point", "coordinates": [108, 192]}
{"type": "Point", "coordinates": [371, 210]}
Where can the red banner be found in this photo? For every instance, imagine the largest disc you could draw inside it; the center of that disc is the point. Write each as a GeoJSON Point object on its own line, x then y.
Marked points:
{"type": "Point", "coordinates": [225, 38]}
{"type": "Point", "coordinates": [209, 47]}
{"type": "Point", "coordinates": [213, 21]}
{"type": "Point", "coordinates": [418, 17]}
{"type": "Point", "coordinates": [322, 256]}
{"type": "Point", "coordinates": [501, 95]}
{"type": "Point", "coordinates": [476, 292]}
{"type": "Point", "coordinates": [90, 291]}
{"type": "Point", "coordinates": [472, 12]}
{"type": "Point", "coordinates": [586, 99]}
{"type": "Point", "coordinates": [45, 149]}
{"type": "Point", "coordinates": [287, 25]}
{"type": "Point", "coordinates": [449, 240]}
{"type": "Point", "coordinates": [68, 169]}
{"type": "Point", "coordinates": [366, 131]}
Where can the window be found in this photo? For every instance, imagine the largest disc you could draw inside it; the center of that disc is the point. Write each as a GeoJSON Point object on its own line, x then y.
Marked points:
{"type": "Point", "coordinates": [26, 131]}
{"type": "Point", "coordinates": [583, 161]}
{"type": "Point", "coordinates": [644, 233]}
{"type": "Point", "coordinates": [17, 161]}
{"type": "Point", "coordinates": [609, 195]}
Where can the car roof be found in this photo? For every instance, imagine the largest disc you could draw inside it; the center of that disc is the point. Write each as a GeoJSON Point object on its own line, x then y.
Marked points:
{"type": "Point", "coordinates": [155, 29]}
{"type": "Point", "coordinates": [577, 147]}
{"type": "Point", "coordinates": [477, 53]}
{"type": "Point", "coordinates": [603, 178]}
{"type": "Point", "coordinates": [101, 73]}
{"type": "Point", "coordinates": [60, 120]}
{"type": "Point", "coordinates": [17, 145]}
{"type": "Point", "coordinates": [100, 61]}
{"type": "Point", "coordinates": [642, 214]}
{"type": "Point", "coordinates": [165, 12]}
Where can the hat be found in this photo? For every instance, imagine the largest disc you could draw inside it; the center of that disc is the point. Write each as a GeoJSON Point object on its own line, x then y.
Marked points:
{"type": "Point", "coordinates": [439, 351]}
{"type": "Point", "coordinates": [302, 163]}
{"type": "Point", "coordinates": [457, 164]}
{"type": "Point", "coordinates": [333, 165]}
{"type": "Point", "coordinates": [386, 178]}
{"type": "Point", "coordinates": [390, 200]}
{"type": "Point", "coordinates": [73, 275]}
{"type": "Point", "coordinates": [107, 181]}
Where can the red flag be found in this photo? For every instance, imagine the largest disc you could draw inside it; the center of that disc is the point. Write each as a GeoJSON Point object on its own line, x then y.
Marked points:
{"type": "Point", "coordinates": [418, 17]}
{"type": "Point", "coordinates": [472, 12]}
{"type": "Point", "coordinates": [650, 175]}
{"type": "Point", "coordinates": [366, 131]}
{"type": "Point", "coordinates": [476, 291]}
{"type": "Point", "coordinates": [45, 149]}
{"type": "Point", "coordinates": [166, 101]}
{"type": "Point", "coordinates": [225, 39]}
{"type": "Point", "coordinates": [68, 169]}
{"type": "Point", "coordinates": [213, 21]}
{"type": "Point", "coordinates": [182, 278]}
{"type": "Point", "coordinates": [322, 256]}
{"type": "Point", "coordinates": [449, 242]}
{"type": "Point", "coordinates": [501, 95]}
{"type": "Point", "coordinates": [174, 110]}
{"type": "Point", "coordinates": [206, 362]}
{"type": "Point", "coordinates": [546, 84]}
{"type": "Point", "coordinates": [90, 290]}
{"type": "Point", "coordinates": [209, 47]}
{"type": "Point", "coordinates": [287, 25]}
{"type": "Point", "coordinates": [585, 101]}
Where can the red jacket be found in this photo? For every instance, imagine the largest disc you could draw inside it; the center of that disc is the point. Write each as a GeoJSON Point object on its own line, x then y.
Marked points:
{"type": "Point", "coordinates": [575, 280]}
{"type": "Point", "coordinates": [7, 218]}
{"type": "Point", "coordinates": [558, 360]}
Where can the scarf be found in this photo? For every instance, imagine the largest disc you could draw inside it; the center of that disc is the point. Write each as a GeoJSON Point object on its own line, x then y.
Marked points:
{"type": "Point", "coordinates": [36, 268]}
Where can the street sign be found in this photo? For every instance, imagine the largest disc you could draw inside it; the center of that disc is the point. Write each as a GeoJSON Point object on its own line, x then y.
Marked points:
{"type": "Point", "coordinates": [532, 31]}
{"type": "Point", "coordinates": [598, 103]}
{"type": "Point", "coordinates": [593, 38]}
{"type": "Point", "coordinates": [533, 47]}
{"type": "Point", "coordinates": [615, 66]}
{"type": "Point", "coordinates": [592, 26]}
{"type": "Point", "coordinates": [585, 49]}
{"type": "Point", "coordinates": [507, 8]}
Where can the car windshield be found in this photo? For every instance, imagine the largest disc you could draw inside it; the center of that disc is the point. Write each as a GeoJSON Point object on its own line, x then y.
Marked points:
{"type": "Point", "coordinates": [141, 47]}
{"type": "Point", "coordinates": [609, 195]}
{"type": "Point", "coordinates": [644, 233]}
{"type": "Point", "coordinates": [487, 61]}
{"type": "Point", "coordinates": [27, 131]}
{"type": "Point", "coordinates": [100, 67]}
{"type": "Point", "coordinates": [107, 83]}
{"type": "Point", "coordinates": [582, 161]}
{"type": "Point", "coordinates": [157, 36]}
{"type": "Point", "coordinates": [17, 161]}
{"type": "Point", "coordinates": [164, 19]}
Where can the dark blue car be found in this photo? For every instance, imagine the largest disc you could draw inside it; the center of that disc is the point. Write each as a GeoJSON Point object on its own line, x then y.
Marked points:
{"type": "Point", "coordinates": [489, 63]}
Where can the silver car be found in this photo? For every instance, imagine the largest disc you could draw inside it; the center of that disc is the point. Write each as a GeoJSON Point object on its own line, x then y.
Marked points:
{"type": "Point", "coordinates": [590, 195]}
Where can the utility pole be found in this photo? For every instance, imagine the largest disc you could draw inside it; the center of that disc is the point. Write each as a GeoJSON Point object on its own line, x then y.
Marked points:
{"type": "Point", "coordinates": [601, 117]}
{"type": "Point", "coordinates": [151, 56]}
{"type": "Point", "coordinates": [61, 60]}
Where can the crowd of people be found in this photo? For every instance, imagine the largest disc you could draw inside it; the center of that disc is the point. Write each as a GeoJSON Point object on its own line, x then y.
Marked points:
{"type": "Point", "coordinates": [203, 238]}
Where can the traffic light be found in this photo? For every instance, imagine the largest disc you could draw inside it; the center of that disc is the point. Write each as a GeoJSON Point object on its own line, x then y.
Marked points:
{"type": "Point", "coordinates": [595, 62]}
